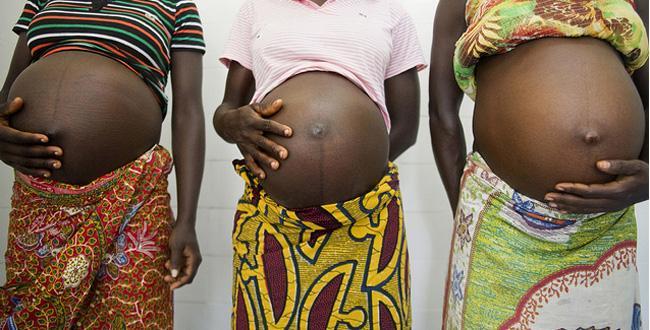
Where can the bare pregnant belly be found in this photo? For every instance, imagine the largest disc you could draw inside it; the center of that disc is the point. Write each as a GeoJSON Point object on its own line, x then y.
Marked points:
{"type": "Point", "coordinates": [550, 109]}
{"type": "Point", "coordinates": [99, 112]}
{"type": "Point", "coordinates": [339, 147]}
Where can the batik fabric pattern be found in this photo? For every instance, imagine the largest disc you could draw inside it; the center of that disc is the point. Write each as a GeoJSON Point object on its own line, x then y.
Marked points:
{"type": "Point", "coordinates": [92, 256]}
{"type": "Point", "coordinates": [498, 26]}
{"type": "Point", "coordinates": [341, 265]}
{"type": "Point", "coordinates": [517, 264]}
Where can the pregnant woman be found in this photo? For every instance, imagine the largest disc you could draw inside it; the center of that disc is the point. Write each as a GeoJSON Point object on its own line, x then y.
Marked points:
{"type": "Point", "coordinates": [90, 229]}
{"type": "Point", "coordinates": [545, 232]}
{"type": "Point", "coordinates": [319, 237]}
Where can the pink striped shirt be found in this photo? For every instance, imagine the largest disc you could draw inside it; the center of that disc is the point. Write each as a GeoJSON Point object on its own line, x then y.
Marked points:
{"type": "Point", "coordinates": [366, 41]}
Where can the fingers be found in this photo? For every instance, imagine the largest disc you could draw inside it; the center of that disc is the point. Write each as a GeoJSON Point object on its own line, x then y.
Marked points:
{"type": "Point", "coordinates": [33, 151]}
{"type": "Point", "coordinates": [186, 270]}
{"type": "Point", "coordinates": [266, 125]}
{"type": "Point", "coordinates": [32, 163]}
{"type": "Point", "coordinates": [253, 167]}
{"type": "Point", "coordinates": [270, 126]}
{"type": "Point", "coordinates": [14, 106]}
{"type": "Point", "coordinates": [31, 171]}
{"type": "Point", "coordinates": [176, 261]}
{"type": "Point", "coordinates": [621, 167]}
{"type": "Point", "coordinates": [260, 157]}
{"type": "Point", "coordinates": [11, 135]}
{"type": "Point", "coordinates": [192, 262]}
{"type": "Point", "coordinates": [24, 151]}
{"type": "Point", "coordinates": [268, 109]}
{"type": "Point", "coordinates": [576, 204]}
{"type": "Point", "coordinates": [270, 147]}
{"type": "Point", "coordinates": [597, 190]}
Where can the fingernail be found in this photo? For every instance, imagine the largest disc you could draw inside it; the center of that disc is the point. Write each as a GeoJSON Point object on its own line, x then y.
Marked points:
{"type": "Point", "coordinates": [553, 205]}
{"type": "Point", "coordinates": [43, 140]}
{"type": "Point", "coordinates": [57, 153]}
{"type": "Point", "coordinates": [274, 165]}
{"type": "Point", "coordinates": [549, 199]}
{"type": "Point", "coordinates": [560, 188]}
{"type": "Point", "coordinates": [603, 164]}
{"type": "Point", "coordinates": [174, 273]}
{"type": "Point", "coordinates": [262, 176]}
{"type": "Point", "coordinates": [283, 154]}
{"type": "Point", "coordinates": [56, 165]}
{"type": "Point", "coordinates": [287, 132]}
{"type": "Point", "coordinates": [47, 175]}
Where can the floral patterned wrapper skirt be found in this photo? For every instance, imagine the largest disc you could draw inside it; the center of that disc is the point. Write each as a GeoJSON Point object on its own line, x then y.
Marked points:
{"type": "Point", "coordinates": [92, 256]}
{"type": "Point", "coordinates": [341, 265]}
{"type": "Point", "coordinates": [515, 263]}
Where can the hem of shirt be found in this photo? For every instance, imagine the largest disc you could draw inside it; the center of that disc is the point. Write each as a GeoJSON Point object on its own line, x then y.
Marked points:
{"type": "Point", "coordinates": [18, 29]}
{"type": "Point", "coordinates": [226, 59]}
{"type": "Point", "coordinates": [188, 49]}
{"type": "Point", "coordinates": [418, 65]}
{"type": "Point", "coordinates": [383, 110]}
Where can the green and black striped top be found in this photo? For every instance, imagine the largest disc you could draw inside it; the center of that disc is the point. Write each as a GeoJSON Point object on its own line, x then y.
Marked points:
{"type": "Point", "coordinates": [140, 34]}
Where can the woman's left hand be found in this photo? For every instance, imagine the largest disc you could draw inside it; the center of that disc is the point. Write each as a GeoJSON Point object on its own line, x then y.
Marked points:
{"type": "Point", "coordinates": [629, 187]}
{"type": "Point", "coordinates": [185, 255]}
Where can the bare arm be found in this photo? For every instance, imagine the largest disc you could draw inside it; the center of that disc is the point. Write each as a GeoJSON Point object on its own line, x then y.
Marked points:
{"type": "Point", "coordinates": [238, 122]}
{"type": "Point", "coordinates": [447, 138]}
{"type": "Point", "coordinates": [403, 104]}
{"type": "Point", "coordinates": [26, 152]}
{"type": "Point", "coordinates": [188, 146]}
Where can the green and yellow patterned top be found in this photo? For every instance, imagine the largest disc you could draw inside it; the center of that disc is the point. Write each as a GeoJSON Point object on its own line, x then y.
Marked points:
{"type": "Point", "coordinates": [498, 26]}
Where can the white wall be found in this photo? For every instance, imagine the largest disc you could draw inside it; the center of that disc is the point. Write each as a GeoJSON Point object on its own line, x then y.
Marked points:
{"type": "Point", "coordinates": [206, 303]}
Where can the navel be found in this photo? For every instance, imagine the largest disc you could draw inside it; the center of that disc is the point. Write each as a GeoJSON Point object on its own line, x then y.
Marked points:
{"type": "Point", "coordinates": [318, 130]}
{"type": "Point", "coordinates": [591, 137]}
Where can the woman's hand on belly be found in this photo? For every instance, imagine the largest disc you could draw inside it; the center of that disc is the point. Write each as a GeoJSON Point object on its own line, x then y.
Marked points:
{"type": "Point", "coordinates": [247, 126]}
{"type": "Point", "coordinates": [629, 187]}
{"type": "Point", "coordinates": [25, 152]}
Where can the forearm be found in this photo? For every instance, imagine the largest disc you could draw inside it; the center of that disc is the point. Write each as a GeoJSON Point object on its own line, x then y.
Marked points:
{"type": "Point", "coordinates": [403, 104]}
{"type": "Point", "coordinates": [188, 147]}
{"type": "Point", "coordinates": [401, 138]}
{"type": "Point", "coordinates": [449, 150]}
{"type": "Point", "coordinates": [220, 121]}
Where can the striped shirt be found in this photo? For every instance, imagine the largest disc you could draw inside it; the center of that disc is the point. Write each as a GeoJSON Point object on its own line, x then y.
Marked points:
{"type": "Point", "coordinates": [366, 41]}
{"type": "Point", "coordinates": [140, 34]}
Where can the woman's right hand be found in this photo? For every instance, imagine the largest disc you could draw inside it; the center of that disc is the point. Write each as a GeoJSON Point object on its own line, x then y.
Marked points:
{"type": "Point", "coordinates": [25, 152]}
{"type": "Point", "coordinates": [248, 127]}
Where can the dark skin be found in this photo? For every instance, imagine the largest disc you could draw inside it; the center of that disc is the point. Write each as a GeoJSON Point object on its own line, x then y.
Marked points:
{"type": "Point", "coordinates": [32, 154]}
{"type": "Point", "coordinates": [631, 184]}
{"type": "Point", "coordinates": [447, 138]}
{"type": "Point", "coordinates": [24, 151]}
{"type": "Point", "coordinates": [249, 127]}
{"type": "Point", "coordinates": [631, 176]}
{"type": "Point", "coordinates": [188, 146]}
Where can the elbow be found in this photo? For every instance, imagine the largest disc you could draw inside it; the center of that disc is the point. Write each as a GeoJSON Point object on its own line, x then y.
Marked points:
{"type": "Point", "coordinates": [444, 122]}
{"type": "Point", "coordinates": [219, 122]}
{"type": "Point", "coordinates": [411, 137]}
{"type": "Point", "coordinates": [404, 134]}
